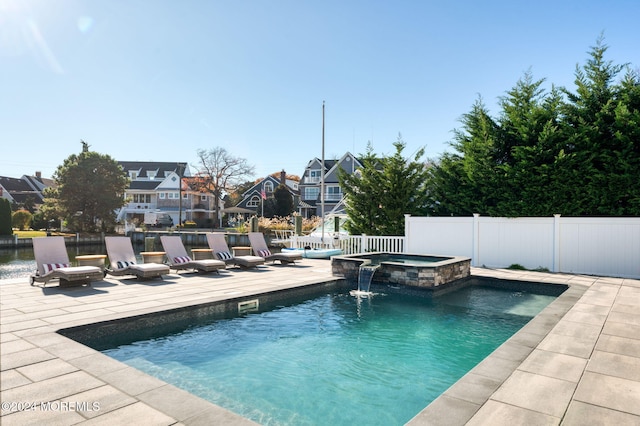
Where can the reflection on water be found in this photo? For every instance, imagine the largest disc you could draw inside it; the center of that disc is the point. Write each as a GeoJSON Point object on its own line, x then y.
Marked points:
{"type": "Point", "coordinates": [19, 262]}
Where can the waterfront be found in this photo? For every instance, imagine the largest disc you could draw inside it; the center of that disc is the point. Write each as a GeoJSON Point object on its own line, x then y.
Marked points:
{"type": "Point", "coordinates": [20, 262]}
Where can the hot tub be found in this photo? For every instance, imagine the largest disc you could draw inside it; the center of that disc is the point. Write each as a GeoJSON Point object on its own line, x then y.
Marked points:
{"type": "Point", "coordinates": [416, 270]}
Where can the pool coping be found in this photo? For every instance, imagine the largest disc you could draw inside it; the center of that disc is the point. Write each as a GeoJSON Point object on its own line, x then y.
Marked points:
{"type": "Point", "coordinates": [557, 363]}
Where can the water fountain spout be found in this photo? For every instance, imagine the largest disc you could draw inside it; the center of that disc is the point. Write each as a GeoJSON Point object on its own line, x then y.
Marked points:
{"type": "Point", "coordinates": [366, 272]}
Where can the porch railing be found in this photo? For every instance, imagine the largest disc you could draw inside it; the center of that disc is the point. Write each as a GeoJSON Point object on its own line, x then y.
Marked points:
{"type": "Point", "coordinates": [353, 244]}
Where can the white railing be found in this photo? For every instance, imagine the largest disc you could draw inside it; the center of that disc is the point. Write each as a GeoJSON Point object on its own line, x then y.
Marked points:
{"type": "Point", "coordinates": [365, 243]}
{"type": "Point", "coordinates": [330, 196]}
{"type": "Point", "coordinates": [353, 244]}
{"type": "Point", "coordinates": [312, 242]}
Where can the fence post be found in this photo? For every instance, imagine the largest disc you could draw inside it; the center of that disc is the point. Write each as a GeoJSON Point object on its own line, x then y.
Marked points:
{"type": "Point", "coordinates": [475, 240]}
{"type": "Point", "coordinates": [407, 232]}
{"type": "Point", "coordinates": [556, 243]}
{"type": "Point", "coordinates": [298, 225]}
{"type": "Point", "coordinates": [254, 224]}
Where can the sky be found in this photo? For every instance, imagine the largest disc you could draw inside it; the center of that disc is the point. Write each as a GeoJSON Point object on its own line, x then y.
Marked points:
{"type": "Point", "coordinates": [157, 80]}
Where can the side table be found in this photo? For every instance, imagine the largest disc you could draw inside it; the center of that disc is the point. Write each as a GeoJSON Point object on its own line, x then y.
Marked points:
{"type": "Point", "coordinates": [152, 256]}
{"type": "Point", "coordinates": [241, 251]}
{"type": "Point", "coordinates": [199, 254]}
{"type": "Point", "coordinates": [92, 260]}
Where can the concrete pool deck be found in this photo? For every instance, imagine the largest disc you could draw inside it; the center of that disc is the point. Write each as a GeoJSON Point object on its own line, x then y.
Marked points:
{"type": "Point", "coordinates": [576, 363]}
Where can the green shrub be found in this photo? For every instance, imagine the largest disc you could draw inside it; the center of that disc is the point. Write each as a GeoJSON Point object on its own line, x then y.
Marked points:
{"type": "Point", "coordinates": [21, 219]}
{"type": "Point", "coordinates": [517, 267]}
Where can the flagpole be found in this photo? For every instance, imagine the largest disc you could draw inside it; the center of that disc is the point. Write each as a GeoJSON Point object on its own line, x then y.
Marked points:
{"type": "Point", "coordinates": [322, 178]}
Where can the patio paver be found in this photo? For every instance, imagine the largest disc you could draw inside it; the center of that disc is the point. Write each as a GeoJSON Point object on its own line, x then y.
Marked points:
{"type": "Point", "coordinates": [577, 362]}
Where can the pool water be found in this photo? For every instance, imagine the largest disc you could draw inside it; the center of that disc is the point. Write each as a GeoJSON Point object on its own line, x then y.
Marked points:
{"type": "Point", "coordinates": [407, 259]}
{"type": "Point", "coordinates": [336, 359]}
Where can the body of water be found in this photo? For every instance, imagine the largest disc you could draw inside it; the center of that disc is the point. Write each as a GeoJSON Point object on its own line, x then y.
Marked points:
{"type": "Point", "coordinates": [20, 262]}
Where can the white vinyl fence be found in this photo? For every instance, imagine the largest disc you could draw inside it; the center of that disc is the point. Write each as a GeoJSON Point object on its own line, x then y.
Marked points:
{"type": "Point", "coordinates": [594, 246]}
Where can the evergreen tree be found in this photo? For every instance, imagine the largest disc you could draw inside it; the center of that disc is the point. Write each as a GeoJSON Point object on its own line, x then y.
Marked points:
{"type": "Point", "coordinates": [468, 182]}
{"type": "Point", "coordinates": [5, 217]}
{"type": "Point", "coordinates": [529, 139]}
{"type": "Point", "coordinates": [382, 191]}
{"type": "Point", "coordinates": [557, 152]}
{"type": "Point", "coordinates": [602, 145]}
{"type": "Point", "coordinates": [284, 201]}
{"type": "Point", "coordinates": [362, 207]}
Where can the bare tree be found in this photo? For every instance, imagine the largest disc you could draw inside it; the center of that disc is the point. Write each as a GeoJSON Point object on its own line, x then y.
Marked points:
{"type": "Point", "coordinates": [219, 172]}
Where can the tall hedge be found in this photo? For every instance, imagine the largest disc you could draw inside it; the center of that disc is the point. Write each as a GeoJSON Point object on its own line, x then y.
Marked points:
{"type": "Point", "coordinates": [576, 153]}
{"type": "Point", "coordinates": [5, 217]}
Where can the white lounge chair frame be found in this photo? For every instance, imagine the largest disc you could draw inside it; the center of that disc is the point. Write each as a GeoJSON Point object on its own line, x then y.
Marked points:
{"type": "Point", "coordinates": [175, 250]}
{"type": "Point", "coordinates": [220, 249]}
{"type": "Point", "coordinates": [122, 260]}
{"type": "Point", "coordinates": [53, 263]}
{"type": "Point", "coordinates": [259, 247]}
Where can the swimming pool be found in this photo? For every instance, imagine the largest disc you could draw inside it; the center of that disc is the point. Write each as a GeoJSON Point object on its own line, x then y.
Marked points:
{"type": "Point", "coordinates": [332, 358]}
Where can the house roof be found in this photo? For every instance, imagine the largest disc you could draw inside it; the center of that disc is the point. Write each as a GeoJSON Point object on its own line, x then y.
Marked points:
{"type": "Point", "coordinates": [331, 167]}
{"type": "Point", "coordinates": [20, 190]}
{"type": "Point", "coordinates": [13, 184]}
{"type": "Point", "coordinates": [144, 184]}
{"type": "Point", "coordinates": [39, 182]}
{"type": "Point", "coordinates": [258, 186]}
{"type": "Point", "coordinates": [309, 204]}
{"type": "Point", "coordinates": [160, 169]}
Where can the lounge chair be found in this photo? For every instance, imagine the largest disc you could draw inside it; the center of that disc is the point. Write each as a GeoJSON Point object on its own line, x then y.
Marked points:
{"type": "Point", "coordinates": [221, 251]}
{"type": "Point", "coordinates": [53, 263]}
{"type": "Point", "coordinates": [259, 246]}
{"type": "Point", "coordinates": [122, 260]}
{"type": "Point", "coordinates": [179, 259]}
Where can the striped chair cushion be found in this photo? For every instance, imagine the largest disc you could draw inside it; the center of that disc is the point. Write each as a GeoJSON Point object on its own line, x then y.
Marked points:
{"type": "Point", "coordinates": [224, 255]}
{"type": "Point", "coordinates": [181, 259]}
{"type": "Point", "coordinates": [264, 253]}
{"type": "Point", "coordinates": [121, 264]}
{"type": "Point", "coordinates": [48, 267]}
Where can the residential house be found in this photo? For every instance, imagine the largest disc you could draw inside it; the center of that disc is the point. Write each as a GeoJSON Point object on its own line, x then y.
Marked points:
{"type": "Point", "coordinates": [25, 192]}
{"type": "Point", "coordinates": [311, 182]}
{"type": "Point", "coordinates": [252, 197]}
{"type": "Point", "coordinates": [155, 187]}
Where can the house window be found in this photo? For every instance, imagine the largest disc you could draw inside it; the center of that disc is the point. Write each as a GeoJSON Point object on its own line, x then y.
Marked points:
{"type": "Point", "coordinates": [311, 193]}
{"type": "Point", "coordinates": [334, 193]}
{"type": "Point", "coordinates": [133, 175]}
{"type": "Point", "coordinates": [203, 198]}
{"type": "Point", "coordinates": [185, 195]}
{"type": "Point", "coordinates": [254, 201]}
{"type": "Point", "coordinates": [162, 195]}
{"type": "Point", "coordinates": [314, 176]}
{"type": "Point", "coordinates": [141, 198]}
{"type": "Point", "coordinates": [268, 187]}
{"type": "Point", "coordinates": [173, 195]}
